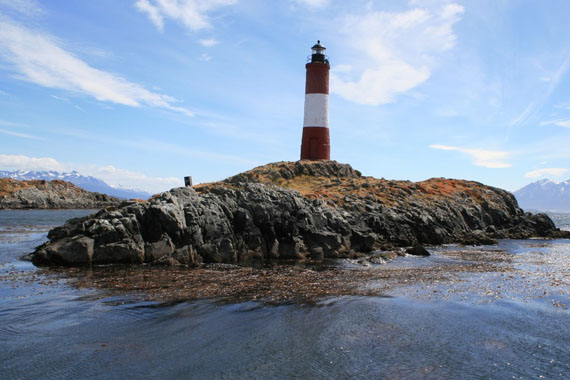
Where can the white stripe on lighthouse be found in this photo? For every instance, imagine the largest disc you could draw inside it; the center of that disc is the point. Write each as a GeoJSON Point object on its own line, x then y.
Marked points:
{"type": "Point", "coordinates": [316, 110]}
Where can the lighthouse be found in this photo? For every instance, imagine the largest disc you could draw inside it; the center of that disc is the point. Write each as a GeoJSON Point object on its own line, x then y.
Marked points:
{"type": "Point", "coordinates": [315, 144]}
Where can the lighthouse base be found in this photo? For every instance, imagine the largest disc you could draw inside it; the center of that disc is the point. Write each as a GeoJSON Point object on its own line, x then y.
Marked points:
{"type": "Point", "coordinates": [315, 144]}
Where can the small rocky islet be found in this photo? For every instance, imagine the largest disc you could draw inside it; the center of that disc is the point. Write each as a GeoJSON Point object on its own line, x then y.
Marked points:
{"type": "Point", "coordinates": [296, 211]}
{"type": "Point", "coordinates": [55, 194]}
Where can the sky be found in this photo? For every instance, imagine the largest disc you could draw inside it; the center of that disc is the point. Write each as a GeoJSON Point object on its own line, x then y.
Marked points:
{"type": "Point", "coordinates": [141, 93]}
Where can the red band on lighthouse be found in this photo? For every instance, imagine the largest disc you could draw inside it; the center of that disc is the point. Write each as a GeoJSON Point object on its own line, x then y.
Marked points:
{"type": "Point", "coordinates": [317, 81]}
{"type": "Point", "coordinates": [315, 143]}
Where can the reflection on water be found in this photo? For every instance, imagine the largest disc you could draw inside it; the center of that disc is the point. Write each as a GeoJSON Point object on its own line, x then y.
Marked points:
{"type": "Point", "coordinates": [468, 313]}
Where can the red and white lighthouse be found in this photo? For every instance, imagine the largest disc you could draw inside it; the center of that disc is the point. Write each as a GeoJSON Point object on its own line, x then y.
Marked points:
{"type": "Point", "coordinates": [315, 144]}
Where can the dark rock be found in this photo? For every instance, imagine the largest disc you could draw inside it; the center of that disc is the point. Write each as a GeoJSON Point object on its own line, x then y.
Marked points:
{"type": "Point", "coordinates": [155, 251]}
{"type": "Point", "coordinates": [363, 241]}
{"type": "Point", "coordinates": [543, 224]}
{"type": "Point", "coordinates": [76, 251]}
{"type": "Point", "coordinates": [166, 261]}
{"type": "Point", "coordinates": [382, 257]}
{"type": "Point", "coordinates": [478, 238]}
{"type": "Point", "coordinates": [124, 252]}
{"type": "Point", "coordinates": [417, 250]}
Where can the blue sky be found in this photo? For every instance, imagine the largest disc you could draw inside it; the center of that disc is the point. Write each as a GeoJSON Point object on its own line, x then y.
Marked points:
{"type": "Point", "coordinates": [143, 92]}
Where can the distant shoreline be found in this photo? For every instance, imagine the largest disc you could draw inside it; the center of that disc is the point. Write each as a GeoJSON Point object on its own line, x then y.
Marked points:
{"type": "Point", "coordinates": [55, 194]}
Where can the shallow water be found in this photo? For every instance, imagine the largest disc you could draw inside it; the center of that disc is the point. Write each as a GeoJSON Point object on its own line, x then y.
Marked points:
{"type": "Point", "coordinates": [463, 313]}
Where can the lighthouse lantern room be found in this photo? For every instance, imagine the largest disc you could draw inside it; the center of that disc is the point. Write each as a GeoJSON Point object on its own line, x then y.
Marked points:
{"type": "Point", "coordinates": [315, 144]}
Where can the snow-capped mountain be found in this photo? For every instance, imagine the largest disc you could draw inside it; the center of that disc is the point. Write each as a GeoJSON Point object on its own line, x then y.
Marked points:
{"type": "Point", "coordinates": [546, 195]}
{"type": "Point", "coordinates": [131, 190]}
{"type": "Point", "coordinates": [85, 182]}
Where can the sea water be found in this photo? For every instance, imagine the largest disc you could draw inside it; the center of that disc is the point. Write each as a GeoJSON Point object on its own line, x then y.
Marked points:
{"type": "Point", "coordinates": [500, 321]}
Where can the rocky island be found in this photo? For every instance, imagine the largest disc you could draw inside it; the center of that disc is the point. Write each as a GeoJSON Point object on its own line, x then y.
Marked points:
{"type": "Point", "coordinates": [56, 194]}
{"type": "Point", "coordinates": [292, 210]}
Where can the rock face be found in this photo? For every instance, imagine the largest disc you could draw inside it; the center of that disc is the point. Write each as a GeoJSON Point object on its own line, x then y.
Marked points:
{"type": "Point", "coordinates": [291, 210]}
{"type": "Point", "coordinates": [56, 194]}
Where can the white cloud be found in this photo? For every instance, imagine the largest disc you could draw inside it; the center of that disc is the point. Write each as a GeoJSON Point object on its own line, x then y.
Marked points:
{"type": "Point", "coordinates": [545, 172]}
{"type": "Point", "coordinates": [193, 14]}
{"type": "Point", "coordinates": [21, 162]}
{"type": "Point", "coordinates": [380, 85]}
{"type": "Point", "coordinates": [209, 42]}
{"type": "Point", "coordinates": [204, 57]}
{"type": "Point", "coordinates": [152, 12]}
{"type": "Point", "coordinates": [313, 3]}
{"type": "Point", "coordinates": [560, 122]}
{"type": "Point", "coordinates": [108, 173]}
{"type": "Point", "coordinates": [341, 68]}
{"type": "Point", "coordinates": [395, 51]}
{"type": "Point", "coordinates": [39, 58]}
{"type": "Point", "coordinates": [494, 159]}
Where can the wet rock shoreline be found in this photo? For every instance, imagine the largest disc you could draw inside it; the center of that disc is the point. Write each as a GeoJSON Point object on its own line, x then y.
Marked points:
{"type": "Point", "coordinates": [292, 210]}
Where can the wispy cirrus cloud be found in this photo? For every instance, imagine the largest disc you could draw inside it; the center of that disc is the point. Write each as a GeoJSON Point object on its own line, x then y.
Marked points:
{"type": "Point", "coordinates": [396, 51]}
{"type": "Point", "coordinates": [536, 104]}
{"type": "Point", "coordinates": [20, 134]}
{"type": "Point", "coordinates": [546, 172]}
{"type": "Point", "coordinates": [26, 7]}
{"type": "Point", "coordinates": [39, 58]}
{"type": "Point", "coordinates": [10, 123]}
{"type": "Point", "coordinates": [11, 132]}
{"type": "Point", "coordinates": [559, 122]}
{"type": "Point", "coordinates": [192, 14]}
{"type": "Point", "coordinates": [494, 159]}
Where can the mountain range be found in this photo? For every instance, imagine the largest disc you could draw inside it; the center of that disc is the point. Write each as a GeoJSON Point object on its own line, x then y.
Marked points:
{"type": "Point", "coordinates": [85, 182]}
{"type": "Point", "coordinates": [545, 195]}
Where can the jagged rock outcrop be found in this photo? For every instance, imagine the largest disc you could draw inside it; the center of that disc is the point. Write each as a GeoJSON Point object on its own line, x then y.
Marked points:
{"type": "Point", "coordinates": [291, 210]}
{"type": "Point", "coordinates": [56, 194]}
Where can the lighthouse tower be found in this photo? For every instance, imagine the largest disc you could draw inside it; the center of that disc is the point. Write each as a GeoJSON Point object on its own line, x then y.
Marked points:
{"type": "Point", "coordinates": [315, 144]}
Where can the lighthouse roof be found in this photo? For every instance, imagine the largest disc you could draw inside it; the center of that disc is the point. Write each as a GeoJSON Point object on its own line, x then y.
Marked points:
{"type": "Point", "coordinates": [319, 46]}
